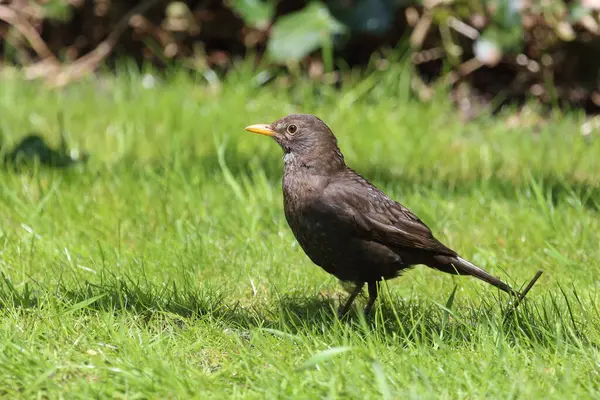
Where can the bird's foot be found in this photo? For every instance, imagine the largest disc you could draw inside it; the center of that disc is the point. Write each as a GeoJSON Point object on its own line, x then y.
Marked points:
{"type": "Point", "coordinates": [342, 311]}
{"type": "Point", "coordinates": [372, 297]}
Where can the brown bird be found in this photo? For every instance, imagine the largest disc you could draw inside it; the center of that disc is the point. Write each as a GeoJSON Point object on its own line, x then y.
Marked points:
{"type": "Point", "coordinates": [345, 224]}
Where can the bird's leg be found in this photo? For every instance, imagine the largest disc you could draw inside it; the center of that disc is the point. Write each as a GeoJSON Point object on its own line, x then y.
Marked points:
{"type": "Point", "coordinates": [343, 310]}
{"type": "Point", "coordinates": [372, 296]}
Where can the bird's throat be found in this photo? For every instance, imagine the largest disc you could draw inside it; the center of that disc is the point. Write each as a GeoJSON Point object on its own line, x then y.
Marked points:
{"type": "Point", "coordinates": [312, 163]}
{"type": "Point", "coordinates": [289, 158]}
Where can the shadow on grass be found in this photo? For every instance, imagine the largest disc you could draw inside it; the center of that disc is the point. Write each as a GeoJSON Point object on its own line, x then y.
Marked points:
{"type": "Point", "coordinates": [421, 321]}
{"type": "Point", "coordinates": [551, 320]}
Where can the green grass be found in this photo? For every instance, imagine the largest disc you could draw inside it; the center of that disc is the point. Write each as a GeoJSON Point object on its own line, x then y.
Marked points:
{"type": "Point", "coordinates": [165, 268]}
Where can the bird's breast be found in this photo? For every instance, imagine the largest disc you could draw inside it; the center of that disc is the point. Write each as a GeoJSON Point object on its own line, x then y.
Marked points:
{"type": "Point", "coordinates": [301, 188]}
{"type": "Point", "coordinates": [301, 192]}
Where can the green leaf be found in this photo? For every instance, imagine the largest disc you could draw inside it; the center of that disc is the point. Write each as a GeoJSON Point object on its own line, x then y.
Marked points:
{"type": "Point", "coordinates": [507, 39]}
{"type": "Point", "coordinates": [507, 15]}
{"type": "Point", "coordinates": [296, 35]}
{"type": "Point", "coordinates": [256, 13]}
{"type": "Point", "coordinates": [325, 355]}
{"type": "Point", "coordinates": [577, 12]}
{"type": "Point", "coordinates": [370, 16]}
{"type": "Point", "coordinates": [58, 10]}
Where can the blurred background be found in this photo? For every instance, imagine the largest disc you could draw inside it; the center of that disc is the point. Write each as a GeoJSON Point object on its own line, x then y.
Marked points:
{"type": "Point", "coordinates": [488, 53]}
{"type": "Point", "coordinates": [163, 266]}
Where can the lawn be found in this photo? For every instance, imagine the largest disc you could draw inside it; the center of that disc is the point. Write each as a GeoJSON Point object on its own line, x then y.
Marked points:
{"type": "Point", "coordinates": [164, 266]}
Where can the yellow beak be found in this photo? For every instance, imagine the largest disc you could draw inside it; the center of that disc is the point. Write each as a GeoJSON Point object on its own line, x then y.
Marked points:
{"type": "Point", "coordinates": [263, 129]}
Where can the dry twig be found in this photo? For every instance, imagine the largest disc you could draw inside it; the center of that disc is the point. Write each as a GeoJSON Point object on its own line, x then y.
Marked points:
{"type": "Point", "coordinates": [38, 45]}
{"type": "Point", "coordinates": [55, 73]}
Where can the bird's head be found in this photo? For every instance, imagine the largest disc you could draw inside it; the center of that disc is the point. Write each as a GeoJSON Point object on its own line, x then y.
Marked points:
{"type": "Point", "coordinates": [304, 138]}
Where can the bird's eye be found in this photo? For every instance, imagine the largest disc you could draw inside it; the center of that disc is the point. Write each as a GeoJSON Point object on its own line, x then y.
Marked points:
{"type": "Point", "coordinates": [292, 129]}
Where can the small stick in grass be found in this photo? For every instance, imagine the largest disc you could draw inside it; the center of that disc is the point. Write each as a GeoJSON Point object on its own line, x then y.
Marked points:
{"type": "Point", "coordinates": [528, 288]}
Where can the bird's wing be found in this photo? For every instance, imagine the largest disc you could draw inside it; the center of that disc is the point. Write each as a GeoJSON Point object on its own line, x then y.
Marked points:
{"type": "Point", "coordinates": [376, 217]}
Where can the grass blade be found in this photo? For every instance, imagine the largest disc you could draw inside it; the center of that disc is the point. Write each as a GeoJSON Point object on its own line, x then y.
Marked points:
{"type": "Point", "coordinates": [84, 303]}
{"type": "Point", "coordinates": [325, 355]}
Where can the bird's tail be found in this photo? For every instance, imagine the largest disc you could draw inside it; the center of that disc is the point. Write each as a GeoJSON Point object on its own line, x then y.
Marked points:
{"type": "Point", "coordinates": [460, 266]}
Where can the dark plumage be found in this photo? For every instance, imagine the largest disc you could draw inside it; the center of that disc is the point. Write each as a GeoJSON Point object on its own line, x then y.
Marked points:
{"type": "Point", "coordinates": [345, 224]}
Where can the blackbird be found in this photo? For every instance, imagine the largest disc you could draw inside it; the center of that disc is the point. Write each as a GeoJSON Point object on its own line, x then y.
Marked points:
{"type": "Point", "coordinates": [345, 224]}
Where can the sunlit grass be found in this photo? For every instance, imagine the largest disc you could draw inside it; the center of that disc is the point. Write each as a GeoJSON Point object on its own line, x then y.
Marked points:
{"type": "Point", "coordinates": [164, 266]}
